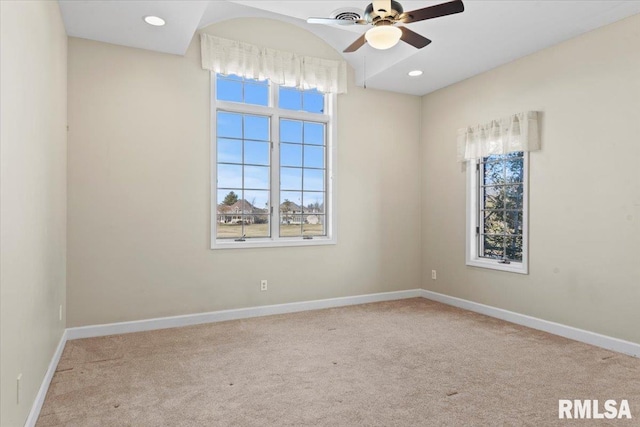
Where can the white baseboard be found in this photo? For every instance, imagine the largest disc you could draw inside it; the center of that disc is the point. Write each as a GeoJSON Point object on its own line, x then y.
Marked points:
{"type": "Point", "coordinates": [34, 413]}
{"type": "Point", "coordinates": [240, 313]}
{"type": "Point", "coordinates": [610, 343]}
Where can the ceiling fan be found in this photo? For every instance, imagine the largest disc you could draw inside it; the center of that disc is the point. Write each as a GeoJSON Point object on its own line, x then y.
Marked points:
{"type": "Point", "coordinates": [384, 15]}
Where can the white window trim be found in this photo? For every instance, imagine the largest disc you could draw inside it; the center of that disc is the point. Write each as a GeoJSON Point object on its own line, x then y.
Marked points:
{"type": "Point", "coordinates": [329, 118]}
{"type": "Point", "coordinates": [472, 258]}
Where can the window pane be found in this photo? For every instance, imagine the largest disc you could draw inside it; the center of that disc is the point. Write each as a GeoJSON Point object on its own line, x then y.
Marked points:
{"type": "Point", "coordinates": [262, 219]}
{"type": "Point", "coordinates": [493, 158]}
{"type": "Point", "coordinates": [494, 222]}
{"type": "Point", "coordinates": [229, 125]}
{"type": "Point", "coordinates": [238, 89]}
{"type": "Point", "coordinates": [313, 101]}
{"type": "Point", "coordinates": [294, 199]}
{"type": "Point", "coordinates": [513, 248]}
{"type": "Point", "coordinates": [229, 230]}
{"type": "Point", "coordinates": [229, 90]}
{"type": "Point", "coordinates": [493, 246]}
{"type": "Point", "coordinates": [493, 197]}
{"type": "Point", "coordinates": [313, 180]}
{"type": "Point", "coordinates": [256, 127]}
{"type": "Point", "coordinates": [290, 228]}
{"type": "Point", "coordinates": [256, 94]}
{"type": "Point", "coordinates": [257, 226]}
{"type": "Point", "coordinates": [258, 201]}
{"type": "Point", "coordinates": [313, 225]}
{"type": "Point", "coordinates": [514, 171]}
{"type": "Point", "coordinates": [514, 222]}
{"type": "Point", "coordinates": [229, 150]}
{"type": "Point", "coordinates": [313, 156]}
{"type": "Point", "coordinates": [513, 196]}
{"type": "Point", "coordinates": [291, 131]}
{"type": "Point", "coordinates": [229, 214]}
{"type": "Point", "coordinates": [290, 214]}
{"type": "Point", "coordinates": [290, 99]}
{"type": "Point", "coordinates": [290, 155]}
{"type": "Point", "coordinates": [228, 197]}
{"type": "Point", "coordinates": [291, 178]}
{"type": "Point", "coordinates": [256, 177]}
{"type": "Point", "coordinates": [313, 202]}
{"type": "Point", "coordinates": [256, 153]}
{"type": "Point", "coordinates": [313, 133]}
{"type": "Point", "coordinates": [494, 173]}
{"type": "Point", "coordinates": [229, 176]}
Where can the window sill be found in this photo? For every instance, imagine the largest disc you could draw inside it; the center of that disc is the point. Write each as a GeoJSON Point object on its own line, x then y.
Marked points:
{"type": "Point", "coordinates": [270, 243]}
{"type": "Point", "coordinates": [514, 267]}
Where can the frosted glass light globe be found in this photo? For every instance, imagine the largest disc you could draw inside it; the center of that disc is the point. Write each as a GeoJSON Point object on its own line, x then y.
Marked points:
{"type": "Point", "coordinates": [383, 36]}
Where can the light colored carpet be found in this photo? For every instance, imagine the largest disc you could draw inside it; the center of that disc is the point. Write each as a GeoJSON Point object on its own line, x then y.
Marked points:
{"type": "Point", "coordinates": [403, 363]}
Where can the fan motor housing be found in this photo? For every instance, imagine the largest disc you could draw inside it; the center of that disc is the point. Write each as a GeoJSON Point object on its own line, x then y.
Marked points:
{"type": "Point", "coordinates": [374, 16]}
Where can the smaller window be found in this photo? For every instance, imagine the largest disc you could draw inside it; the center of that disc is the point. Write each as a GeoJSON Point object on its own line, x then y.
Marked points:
{"type": "Point", "coordinates": [497, 212]}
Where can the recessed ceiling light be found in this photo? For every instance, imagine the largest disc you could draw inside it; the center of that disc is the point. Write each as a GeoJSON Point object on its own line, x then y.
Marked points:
{"type": "Point", "coordinates": [156, 21]}
{"type": "Point", "coordinates": [415, 73]}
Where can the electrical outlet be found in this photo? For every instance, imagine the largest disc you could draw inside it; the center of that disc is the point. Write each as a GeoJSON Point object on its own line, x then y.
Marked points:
{"type": "Point", "coordinates": [433, 274]}
{"type": "Point", "coordinates": [60, 313]}
{"type": "Point", "coordinates": [263, 285]}
{"type": "Point", "coordinates": [18, 389]}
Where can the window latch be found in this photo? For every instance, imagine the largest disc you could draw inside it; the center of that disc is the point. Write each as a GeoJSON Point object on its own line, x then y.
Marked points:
{"type": "Point", "coordinates": [504, 261]}
{"type": "Point", "coordinates": [307, 237]}
{"type": "Point", "coordinates": [242, 239]}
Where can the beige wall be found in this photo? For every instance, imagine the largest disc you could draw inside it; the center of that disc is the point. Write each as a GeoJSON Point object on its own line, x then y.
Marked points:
{"type": "Point", "coordinates": [584, 184]}
{"type": "Point", "coordinates": [33, 98]}
{"type": "Point", "coordinates": [139, 190]}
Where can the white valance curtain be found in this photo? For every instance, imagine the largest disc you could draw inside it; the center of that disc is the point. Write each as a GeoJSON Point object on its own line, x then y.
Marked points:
{"type": "Point", "coordinates": [518, 132]}
{"type": "Point", "coordinates": [285, 68]}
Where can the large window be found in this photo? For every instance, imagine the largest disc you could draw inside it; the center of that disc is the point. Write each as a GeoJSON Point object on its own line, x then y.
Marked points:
{"type": "Point", "coordinates": [497, 212]}
{"type": "Point", "coordinates": [273, 154]}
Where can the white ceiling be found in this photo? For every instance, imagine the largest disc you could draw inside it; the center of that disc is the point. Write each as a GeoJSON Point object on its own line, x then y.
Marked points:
{"type": "Point", "coordinates": [487, 34]}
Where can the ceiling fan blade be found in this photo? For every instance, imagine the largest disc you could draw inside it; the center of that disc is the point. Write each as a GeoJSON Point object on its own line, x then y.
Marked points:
{"type": "Point", "coordinates": [331, 21]}
{"type": "Point", "coordinates": [356, 44]}
{"type": "Point", "coordinates": [430, 12]}
{"type": "Point", "coordinates": [382, 5]}
{"type": "Point", "coordinates": [413, 38]}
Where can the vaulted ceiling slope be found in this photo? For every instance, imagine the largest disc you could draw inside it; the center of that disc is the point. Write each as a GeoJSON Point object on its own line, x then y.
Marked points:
{"type": "Point", "coordinates": [487, 34]}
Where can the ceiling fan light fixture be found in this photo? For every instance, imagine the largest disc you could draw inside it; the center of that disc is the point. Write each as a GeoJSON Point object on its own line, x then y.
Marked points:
{"type": "Point", "coordinates": [383, 36]}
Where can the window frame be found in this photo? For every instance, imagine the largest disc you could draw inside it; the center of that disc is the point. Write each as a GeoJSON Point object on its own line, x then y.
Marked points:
{"type": "Point", "coordinates": [328, 118]}
{"type": "Point", "coordinates": [473, 221]}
